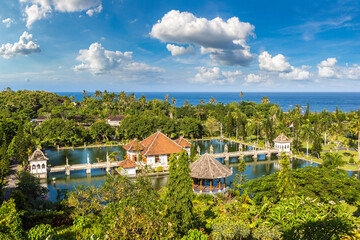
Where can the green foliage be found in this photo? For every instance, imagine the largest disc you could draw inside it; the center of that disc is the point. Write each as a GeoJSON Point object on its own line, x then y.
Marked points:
{"type": "Point", "coordinates": [285, 184]}
{"type": "Point", "coordinates": [314, 182]}
{"type": "Point", "coordinates": [31, 188]}
{"type": "Point", "coordinates": [159, 169]}
{"type": "Point", "coordinates": [333, 160]}
{"type": "Point", "coordinates": [101, 131]}
{"type": "Point", "coordinates": [40, 232]}
{"type": "Point", "coordinates": [307, 218]}
{"type": "Point", "coordinates": [179, 193]}
{"type": "Point", "coordinates": [10, 222]}
{"type": "Point", "coordinates": [195, 234]}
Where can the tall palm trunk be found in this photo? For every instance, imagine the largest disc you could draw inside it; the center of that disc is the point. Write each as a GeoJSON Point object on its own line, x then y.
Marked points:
{"type": "Point", "coordinates": [325, 138]}
{"type": "Point", "coordinates": [307, 148]}
{"type": "Point", "coordinates": [359, 144]}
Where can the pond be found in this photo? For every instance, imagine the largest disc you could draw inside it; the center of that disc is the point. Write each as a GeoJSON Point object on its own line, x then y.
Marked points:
{"type": "Point", "coordinates": [98, 176]}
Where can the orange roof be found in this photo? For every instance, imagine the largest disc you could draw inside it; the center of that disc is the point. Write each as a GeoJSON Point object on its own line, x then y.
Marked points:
{"type": "Point", "coordinates": [134, 145]}
{"type": "Point", "coordinates": [127, 164]}
{"type": "Point", "coordinates": [159, 144]}
{"type": "Point", "coordinates": [183, 142]}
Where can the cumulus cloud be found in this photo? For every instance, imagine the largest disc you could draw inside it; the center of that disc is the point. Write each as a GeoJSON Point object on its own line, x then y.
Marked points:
{"type": "Point", "coordinates": [277, 63]}
{"type": "Point", "coordinates": [253, 78]}
{"type": "Point", "coordinates": [296, 74]}
{"type": "Point", "coordinates": [8, 22]}
{"type": "Point", "coordinates": [36, 12]}
{"type": "Point", "coordinates": [24, 46]}
{"type": "Point", "coordinates": [98, 60]}
{"type": "Point", "coordinates": [215, 76]}
{"type": "Point", "coordinates": [224, 40]}
{"type": "Point", "coordinates": [327, 68]}
{"type": "Point", "coordinates": [39, 9]}
{"type": "Point", "coordinates": [179, 50]}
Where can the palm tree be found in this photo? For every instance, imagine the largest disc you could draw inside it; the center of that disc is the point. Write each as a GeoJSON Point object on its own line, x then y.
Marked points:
{"type": "Point", "coordinates": [173, 101]}
{"type": "Point", "coordinates": [355, 126]}
{"type": "Point", "coordinates": [84, 93]}
{"type": "Point", "coordinates": [167, 97]}
{"type": "Point", "coordinates": [306, 134]}
{"type": "Point", "coordinates": [241, 95]}
{"type": "Point", "coordinates": [98, 94]}
{"type": "Point", "coordinates": [249, 129]}
{"type": "Point", "coordinates": [212, 100]}
{"type": "Point", "coordinates": [325, 123]}
{"type": "Point", "coordinates": [333, 160]}
{"type": "Point", "coordinates": [265, 100]}
{"type": "Point", "coordinates": [257, 119]}
{"type": "Point", "coordinates": [201, 101]}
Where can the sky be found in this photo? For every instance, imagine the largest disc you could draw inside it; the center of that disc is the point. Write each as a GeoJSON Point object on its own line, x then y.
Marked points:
{"type": "Point", "coordinates": [180, 46]}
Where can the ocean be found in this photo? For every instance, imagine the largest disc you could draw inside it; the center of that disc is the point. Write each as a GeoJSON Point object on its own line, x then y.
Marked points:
{"type": "Point", "coordinates": [346, 101]}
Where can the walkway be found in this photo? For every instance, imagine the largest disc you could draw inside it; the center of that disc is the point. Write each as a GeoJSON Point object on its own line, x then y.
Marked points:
{"type": "Point", "coordinates": [11, 180]}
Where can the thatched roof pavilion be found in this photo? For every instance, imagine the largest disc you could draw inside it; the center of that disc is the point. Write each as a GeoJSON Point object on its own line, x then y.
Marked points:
{"type": "Point", "coordinates": [207, 173]}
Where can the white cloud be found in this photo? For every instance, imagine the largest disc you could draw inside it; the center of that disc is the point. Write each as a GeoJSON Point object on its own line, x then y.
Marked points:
{"type": "Point", "coordinates": [296, 74]}
{"type": "Point", "coordinates": [36, 12]}
{"type": "Point", "coordinates": [352, 72]}
{"type": "Point", "coordinates": [24, 46]}
{"type": "Point", "coordinates": [224, 40]}
{"type": "Point", "coordinates": [215, 76]}
{"type": "Point", "coordinates": [327, 68]}
{"type": "Point", "coordinates": [75, 5]}
{"type": "Point", "coordinates": [179, 50]}
{"type": "Point", "coordinates": [8, 22]}
{"type": "Point", "coordinates": [39, 9]}
{"type": "Point", "coordinates": [98, 60]}
{"type": "Point", "coordinates": [91, 12]}
{"type": "Point", "coordinates": [253, 78]}
{"type": "Point", "coordinates": [277, 63]}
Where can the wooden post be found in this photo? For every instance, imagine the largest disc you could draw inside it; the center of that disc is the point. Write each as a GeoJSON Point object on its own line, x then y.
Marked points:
{"type": "Point", "coordinates": [200, 185]}
{"type": "Point", "coordinates": [219, 184]}
{"type": "Point", "coordinates": [193, 184]}
{"type": "Point", "coordinates": [211, 186]}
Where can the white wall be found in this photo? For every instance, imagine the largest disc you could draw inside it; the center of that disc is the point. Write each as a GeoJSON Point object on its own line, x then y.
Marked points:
{"type": "Point", "coordinates": [38, 166]}
{"type": "Point", "coordinates": [283, 147]}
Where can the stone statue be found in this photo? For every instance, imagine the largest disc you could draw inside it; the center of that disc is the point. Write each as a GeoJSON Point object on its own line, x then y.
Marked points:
{"type": "Point", "coordinates": [211, 149]}
{"type": "Point", "coordinates": [88, 159]}
{"type": "Point", "coordinates": [67, 161]}
{"type": "Point", "coordinates": [240, 147]}
{"type": "Point", "coordinates": [226, 148]}
{"type": "Point", "coordinates": [254, 147]}
{"type": "Point", "coordinates": [198, 150]}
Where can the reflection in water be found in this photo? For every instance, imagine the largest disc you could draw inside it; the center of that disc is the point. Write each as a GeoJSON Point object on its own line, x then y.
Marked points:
{"type": "Point", "coordinates": [256, 169]}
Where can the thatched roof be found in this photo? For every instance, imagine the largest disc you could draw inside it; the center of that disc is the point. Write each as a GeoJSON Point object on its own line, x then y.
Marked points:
{"type": "Point", "coordinates": [282, 139]}
{"type": "Point", "coordinates": [207, 167]}
{"type": "Point", "coordinates": [38, 155]}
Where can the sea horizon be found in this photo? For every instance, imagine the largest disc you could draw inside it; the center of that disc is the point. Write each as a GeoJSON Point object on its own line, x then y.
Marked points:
{"type": "Point", "coordinates": [318, 101]}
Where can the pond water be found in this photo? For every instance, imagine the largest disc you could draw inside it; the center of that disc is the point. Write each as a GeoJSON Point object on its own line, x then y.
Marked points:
{"type": "Point", "coordinates": [98, 176]}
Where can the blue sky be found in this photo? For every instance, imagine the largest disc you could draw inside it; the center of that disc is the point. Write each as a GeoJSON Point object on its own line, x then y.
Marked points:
{"type": "Point", "coordinates": [133, 45]}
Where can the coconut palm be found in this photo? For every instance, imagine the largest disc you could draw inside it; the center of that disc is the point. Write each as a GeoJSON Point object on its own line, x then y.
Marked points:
{"type": "Point", "coordinates": [257, 120]}
{"type": "Point", "coordinates": [265, 100]}
{"type": "Point", "coordinates": [325, 123]}
{"type": "Point", "coordinates": [355, 126]}
{"type": "Point", "coordinates": [167, 97]}
{"type": "Point", "coordinates": [241, 95]}
{"type": "Point", "coordinates": [212, 100]}
{"type": "Point", "coordinates": [306, 134]}
{"type": "Point", "coordinates": [201, 101]}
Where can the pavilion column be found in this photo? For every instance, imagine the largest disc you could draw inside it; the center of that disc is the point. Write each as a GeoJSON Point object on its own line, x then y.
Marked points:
{"type": "Point", "coordinates": [211, 186]}
{"type": "Point", "coordinates": [219, 184]}
{"type": "Point", "coordinates": [200, 185]}
{"type": "Point", "coordinates": [193, 184]}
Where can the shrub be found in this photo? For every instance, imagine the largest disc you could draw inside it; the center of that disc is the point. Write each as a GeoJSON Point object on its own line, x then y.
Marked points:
{"type": "Point", "coordinates": [40, 232]}
{"type": "Point", "coordinates": [352, 160]}
{"type": "Point", "coordinates": [153, 170]}
{"type": "Point", "coordinates": [159, 169]}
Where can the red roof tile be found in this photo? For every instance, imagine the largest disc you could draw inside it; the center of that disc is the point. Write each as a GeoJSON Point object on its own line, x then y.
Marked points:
{"type": "Point", "coordinates": [134, 145]}
{"type": "Point", "coordinates": [183, 142]}
{"type": "Point", "coordinates": [127, 164]}
{"type": "Point", "coordinates": [159, 144]}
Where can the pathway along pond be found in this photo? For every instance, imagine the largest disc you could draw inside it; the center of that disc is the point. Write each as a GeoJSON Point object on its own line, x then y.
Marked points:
{"type": "Point", "coordinates": [98, 176]}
